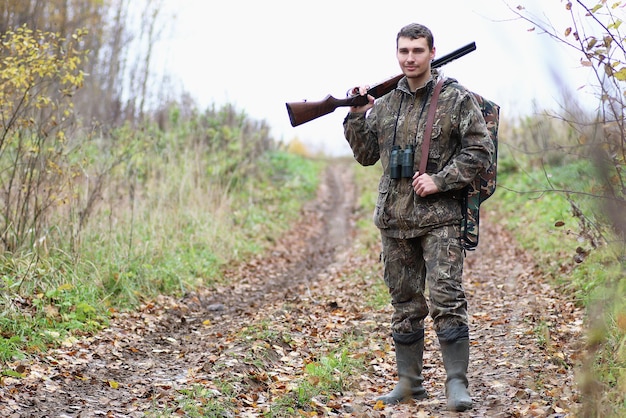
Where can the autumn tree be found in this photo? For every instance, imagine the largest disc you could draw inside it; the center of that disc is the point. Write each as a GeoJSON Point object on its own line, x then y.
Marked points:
{"type": "Point", "coordinates": [121, 35]}
{"type": "Point", "coordinates": [39, 74]}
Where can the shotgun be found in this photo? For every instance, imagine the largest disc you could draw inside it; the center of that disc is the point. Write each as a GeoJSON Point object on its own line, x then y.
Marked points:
{"type": "Point", "coordinates": [302, 112]}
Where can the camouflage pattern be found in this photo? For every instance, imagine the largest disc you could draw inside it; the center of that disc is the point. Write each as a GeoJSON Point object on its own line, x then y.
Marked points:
{"type": "Point", "coordinates": [460, 149]}
{"type": "Point", "coordinates": [421, 237]}
{"type": "Point", "coordinates": [484, 185]}
{"type": "Point", "coordinates": [436, 260]}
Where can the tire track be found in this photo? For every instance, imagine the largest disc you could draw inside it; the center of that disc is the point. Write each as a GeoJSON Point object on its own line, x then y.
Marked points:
{"type": "Point", "coordinates": [145, 356]}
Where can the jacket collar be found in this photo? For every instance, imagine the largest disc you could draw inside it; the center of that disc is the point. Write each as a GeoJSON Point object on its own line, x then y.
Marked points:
{"type": "Point", "coordinates": [403, 84]}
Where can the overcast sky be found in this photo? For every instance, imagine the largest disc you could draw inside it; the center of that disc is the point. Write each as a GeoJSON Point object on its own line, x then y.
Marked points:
{"type": "Point", "coordinates": [258, 55]}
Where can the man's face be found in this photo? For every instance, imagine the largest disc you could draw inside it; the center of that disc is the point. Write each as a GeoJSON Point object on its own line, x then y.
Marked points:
{"type": "Point", "coordinates": [414, 57]}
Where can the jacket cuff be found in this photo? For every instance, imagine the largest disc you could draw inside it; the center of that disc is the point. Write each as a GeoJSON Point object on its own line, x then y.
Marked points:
{"type": "Point", "coordinates": [440, 183]}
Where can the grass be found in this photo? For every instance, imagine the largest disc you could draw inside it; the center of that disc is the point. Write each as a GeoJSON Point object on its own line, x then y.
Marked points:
{"type": "Point", "coordinates": [186, 243]}
{"type": "Point", "coordinates": [548, 222]}
{"type": "Point", "coordinates": [196, 402]}
{"type": "Point", "coordinates": [330, 374]}
{"type": "Point", "coordinates": [170, 237]}
{"type": "Point", "coordinates": [177, 207]}
{"type": "Point", "coordinates": [335, 365]}
{"type": "Point", "coordinates": [535, 226]}
{"type": "Point", "coordinates": [55, 308]}
{"type": "Point", "coordinates": [577, 253]}
{"type": "Point", "coordinates": [533, 213]}
{"type": "Point", "coordinates": [549, 196]}
{"type": "Point", "coordinates": [181, 209]}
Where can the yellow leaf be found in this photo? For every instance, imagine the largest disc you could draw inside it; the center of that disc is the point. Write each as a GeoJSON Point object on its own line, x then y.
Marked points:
{"type": "Point", "coordinates": [113, 384]}
{"type": "Point", "coordinates": [314, 380]}
{"type": "Point", "coordinates": [66, 286]}
{"type": "Point", "coordinates": [206, 322]}
{"type": "Point", "coordinates": [621, 74]}
{"type": "Point", "coordinates": [380, 405]}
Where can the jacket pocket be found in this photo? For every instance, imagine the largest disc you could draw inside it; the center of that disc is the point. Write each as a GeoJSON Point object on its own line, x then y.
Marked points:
{"type": "Point", "coordinates": [380, 216]}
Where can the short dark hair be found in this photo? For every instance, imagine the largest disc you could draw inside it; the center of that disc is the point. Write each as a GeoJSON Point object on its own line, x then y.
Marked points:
{"type": "Point", "coordinates": [415, 31]}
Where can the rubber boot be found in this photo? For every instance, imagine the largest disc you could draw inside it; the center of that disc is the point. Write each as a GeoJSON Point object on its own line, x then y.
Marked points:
{"type": "Point", "coordinates": [409, 361]}
{"type": "Point", "coordinates": [455, 352]}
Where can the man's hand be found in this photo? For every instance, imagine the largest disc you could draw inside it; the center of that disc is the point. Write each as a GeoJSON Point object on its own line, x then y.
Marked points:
{"type": "Point", "coordinates": [424, 185]}
{"type": "Point", "coordinates": [362, 90]}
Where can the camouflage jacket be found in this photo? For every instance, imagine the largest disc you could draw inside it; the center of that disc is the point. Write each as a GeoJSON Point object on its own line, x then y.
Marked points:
{"type": "Point", "coordinates": [460, 148]}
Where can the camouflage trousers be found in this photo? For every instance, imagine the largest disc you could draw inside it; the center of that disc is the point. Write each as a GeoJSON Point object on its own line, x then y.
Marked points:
{"type": "Point", "coordinates": [430, 266]}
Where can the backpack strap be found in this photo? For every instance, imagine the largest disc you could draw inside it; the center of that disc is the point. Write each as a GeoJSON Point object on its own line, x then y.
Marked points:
{"type": "Point", "coordinates": [430, 119]}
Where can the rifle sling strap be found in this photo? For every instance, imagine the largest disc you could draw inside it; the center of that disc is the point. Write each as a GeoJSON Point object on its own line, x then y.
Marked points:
{"type": "Point", "coordinates": [430, 119]}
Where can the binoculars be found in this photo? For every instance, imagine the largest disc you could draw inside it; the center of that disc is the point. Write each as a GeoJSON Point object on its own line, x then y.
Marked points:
{"type": "Point", "coordinates": [401, 162]}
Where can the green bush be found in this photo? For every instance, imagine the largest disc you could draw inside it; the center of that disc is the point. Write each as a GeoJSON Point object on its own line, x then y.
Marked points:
{"type": "Point", "coordinates": [156, 212]}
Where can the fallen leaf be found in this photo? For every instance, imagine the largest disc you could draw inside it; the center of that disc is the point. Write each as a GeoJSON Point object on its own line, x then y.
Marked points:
{"type": "Point", "coordinates": [379, 406]}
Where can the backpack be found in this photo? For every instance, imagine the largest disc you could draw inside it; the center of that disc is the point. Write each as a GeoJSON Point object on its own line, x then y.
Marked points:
{"type": "Point", "coordinates": [485, 184]}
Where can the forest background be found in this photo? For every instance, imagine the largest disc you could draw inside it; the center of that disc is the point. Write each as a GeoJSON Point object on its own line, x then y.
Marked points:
{"type": "Point", "coordinates": [115, 189]}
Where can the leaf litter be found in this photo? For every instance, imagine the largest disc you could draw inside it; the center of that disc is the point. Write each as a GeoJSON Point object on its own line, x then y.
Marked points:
{"type": "Point", "coordinates": [251, 343]}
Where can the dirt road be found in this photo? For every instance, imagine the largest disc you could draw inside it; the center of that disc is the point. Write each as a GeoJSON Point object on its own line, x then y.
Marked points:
{"type": "Point", "coordinates": [286, 309]}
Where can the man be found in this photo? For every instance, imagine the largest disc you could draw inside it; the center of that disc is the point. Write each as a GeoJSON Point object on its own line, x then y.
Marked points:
{"type": "Point", "coordinates": [419, 216]}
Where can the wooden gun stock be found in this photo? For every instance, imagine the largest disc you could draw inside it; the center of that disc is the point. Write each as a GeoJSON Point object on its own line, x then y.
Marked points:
{"type": "Point", "coordinates": [302, 112]}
